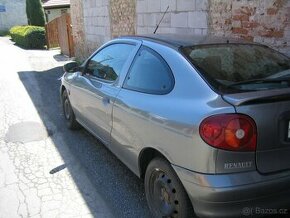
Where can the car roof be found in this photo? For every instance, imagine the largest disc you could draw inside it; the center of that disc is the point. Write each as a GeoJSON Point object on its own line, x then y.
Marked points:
{"type": "Point", "coordinates": [177, 40]}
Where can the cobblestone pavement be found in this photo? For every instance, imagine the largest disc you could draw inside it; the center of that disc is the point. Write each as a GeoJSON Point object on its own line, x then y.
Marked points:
{"type": "Point", "coordinates": [45, 169]}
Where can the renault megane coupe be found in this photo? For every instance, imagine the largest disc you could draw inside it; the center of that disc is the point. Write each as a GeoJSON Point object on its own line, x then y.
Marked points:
{"type": "Point", "coordinates": [203, 120]}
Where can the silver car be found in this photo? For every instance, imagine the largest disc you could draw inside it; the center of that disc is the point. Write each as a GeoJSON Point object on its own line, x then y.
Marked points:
{"type": "Point", "coordinates": [205, 121]}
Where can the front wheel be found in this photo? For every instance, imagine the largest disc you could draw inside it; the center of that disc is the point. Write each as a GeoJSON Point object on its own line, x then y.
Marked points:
{"type": "Point", "coordinates": [165, 194]}
{"type": "Point", "coordinates": [68, 112]}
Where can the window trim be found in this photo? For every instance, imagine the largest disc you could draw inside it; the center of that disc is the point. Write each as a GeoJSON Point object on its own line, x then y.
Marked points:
{"type": "Point", "coordinates": [146, 91]}
{"type": "Point", "coordinates": [90, 76]}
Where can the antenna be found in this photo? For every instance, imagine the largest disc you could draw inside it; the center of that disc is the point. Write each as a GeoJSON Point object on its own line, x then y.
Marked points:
{"type": "Point", "coordinates": [161, 20]}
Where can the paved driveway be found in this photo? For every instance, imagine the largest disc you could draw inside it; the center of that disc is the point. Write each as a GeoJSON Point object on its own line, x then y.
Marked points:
{"type": "Point", "coordinates": [45, 169]}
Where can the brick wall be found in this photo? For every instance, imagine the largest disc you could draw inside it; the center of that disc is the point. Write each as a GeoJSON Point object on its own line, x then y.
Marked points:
{"type": "Point", "coordinates": [184, 16]}
{"type": "Point", "coordinates": [263, 21]}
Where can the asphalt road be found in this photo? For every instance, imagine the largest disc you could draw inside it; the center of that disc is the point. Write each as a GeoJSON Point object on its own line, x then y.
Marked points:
{"type": "Point", "coordinates": [46, 169]}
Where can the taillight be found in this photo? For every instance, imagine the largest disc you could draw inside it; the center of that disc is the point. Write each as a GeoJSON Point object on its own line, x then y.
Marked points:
{"type": "Point", "coordinates": [234, 132]}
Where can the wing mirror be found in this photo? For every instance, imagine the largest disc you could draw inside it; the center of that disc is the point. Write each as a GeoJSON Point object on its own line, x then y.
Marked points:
{"type": "Point", "coordinates": [71, 67]}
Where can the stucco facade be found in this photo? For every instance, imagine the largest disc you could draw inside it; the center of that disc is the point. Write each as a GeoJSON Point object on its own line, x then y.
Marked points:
{"type": "Point", "coordinates": [55, 8]}
{"type": "Point", "coordinates": [15, 14]}
{"type": "Point", "coordinates": [51, 14]}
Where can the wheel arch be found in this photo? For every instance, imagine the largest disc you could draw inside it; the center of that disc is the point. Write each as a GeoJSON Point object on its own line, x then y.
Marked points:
{"type": "Point", "coordinates": [62, 88]}
{"type": "Point", "coordinates": [146, 155]}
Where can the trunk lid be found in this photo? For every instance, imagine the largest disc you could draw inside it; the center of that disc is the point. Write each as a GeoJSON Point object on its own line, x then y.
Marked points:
{"type": "Point", "coordinates": [271, 111]}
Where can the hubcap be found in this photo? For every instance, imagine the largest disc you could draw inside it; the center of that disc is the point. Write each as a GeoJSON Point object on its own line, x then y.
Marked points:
{"type": "Point", "coordinates": [67, 109]}
{"type": "Point", "coordinates": [163, 194]}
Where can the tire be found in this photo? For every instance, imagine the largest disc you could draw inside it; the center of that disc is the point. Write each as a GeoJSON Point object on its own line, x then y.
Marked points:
{"type": "Point", "coordinates": [69, 115]}
{"type": "Point", "coordinates": [165, 194]}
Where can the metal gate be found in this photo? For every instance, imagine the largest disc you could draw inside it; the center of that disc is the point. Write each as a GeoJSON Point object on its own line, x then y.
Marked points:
{"type": "Point", "coordinates": [59, 34]}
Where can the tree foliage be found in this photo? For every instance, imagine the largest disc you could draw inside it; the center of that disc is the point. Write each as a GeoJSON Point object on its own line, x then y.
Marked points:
{"type": "Point", "coordinates": [34, 12]}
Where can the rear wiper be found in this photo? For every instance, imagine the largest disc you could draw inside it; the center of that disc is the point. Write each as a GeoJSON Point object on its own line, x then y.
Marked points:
{"type": "Point", "coordinates": [257, 81]}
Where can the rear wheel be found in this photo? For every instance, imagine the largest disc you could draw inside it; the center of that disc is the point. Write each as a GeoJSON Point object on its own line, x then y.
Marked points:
{"type": "Point", "coordinates": [68, 112]}
{"type": "Point", "coordinates": [165, 194]}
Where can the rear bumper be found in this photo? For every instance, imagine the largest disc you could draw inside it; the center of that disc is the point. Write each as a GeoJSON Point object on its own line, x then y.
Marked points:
{"type": "Point", "coordinates": [237, 195]}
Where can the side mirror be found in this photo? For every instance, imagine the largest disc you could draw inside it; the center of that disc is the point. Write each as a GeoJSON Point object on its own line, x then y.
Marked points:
{"type": "Point", "coordinates": [71, 67]}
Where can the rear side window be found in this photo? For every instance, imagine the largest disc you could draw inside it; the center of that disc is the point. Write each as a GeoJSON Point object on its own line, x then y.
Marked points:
{"type": "Point", "coordinates": [240, 67]}
{"type": "Point", "coordinates": [149, 73]}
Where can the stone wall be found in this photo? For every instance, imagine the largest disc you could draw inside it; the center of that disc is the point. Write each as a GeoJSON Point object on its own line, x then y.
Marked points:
{"type": "Point", "coordinates": [78, 30]}
{"type": "Point", "coordinates": [122, 13]}
{"type": "Point", "coordinates": [91, 25]}
{"type": "Point", "coordinates": [96, 22]}
{"type": "Point", "coordinates": [262, 21]}
{"type": "Point", "coordinates": [184, 16]}
{"type": "Point", "coordinates": [106, 19]}
{"type": "Point", "coordinates": [15, 14]}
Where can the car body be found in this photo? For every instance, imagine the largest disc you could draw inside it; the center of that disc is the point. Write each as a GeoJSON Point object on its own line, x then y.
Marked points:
{"type": "Point", "coordinates": [226, 139]}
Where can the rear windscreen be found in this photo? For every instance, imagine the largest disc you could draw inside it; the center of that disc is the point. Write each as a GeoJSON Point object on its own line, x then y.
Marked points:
{"type": "Point", "coordinates": [231, 68]}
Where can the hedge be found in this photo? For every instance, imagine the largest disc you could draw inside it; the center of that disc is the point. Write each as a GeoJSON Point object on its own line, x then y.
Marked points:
{"type": "Point", "coordinates": [4, 32]}
{"type": "Point", "coordinates": [28, 36]}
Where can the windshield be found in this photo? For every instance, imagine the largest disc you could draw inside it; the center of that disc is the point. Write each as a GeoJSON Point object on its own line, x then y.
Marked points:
{"type": "Point", "coordinates": [231, 68]}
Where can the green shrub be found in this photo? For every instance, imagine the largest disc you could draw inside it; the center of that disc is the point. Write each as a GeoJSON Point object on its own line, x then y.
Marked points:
{"type": "Point", "coordinates": [28, 36]}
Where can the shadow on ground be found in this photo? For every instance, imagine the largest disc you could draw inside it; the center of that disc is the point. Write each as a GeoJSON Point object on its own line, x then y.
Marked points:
{"type": "Point", "coordinates": [116, 184]}
{"type": "Point", "coordinates": [61, 58]}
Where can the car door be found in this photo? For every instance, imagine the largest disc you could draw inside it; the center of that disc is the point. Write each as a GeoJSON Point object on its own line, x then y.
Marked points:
{"type": "Point", "coordinates": [140, 106]}
{"type": "Point", "coordinates": [93, 91]}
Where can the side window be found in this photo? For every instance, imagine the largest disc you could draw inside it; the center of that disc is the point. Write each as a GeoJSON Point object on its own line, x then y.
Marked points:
{"type": "Point", "coordinates": [149, 74]}
{"type": "Point", "coordinates": [107, 64]}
